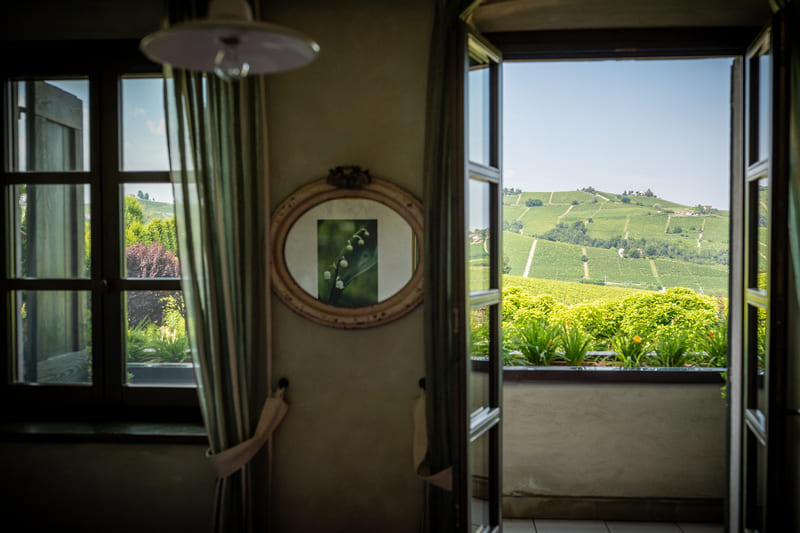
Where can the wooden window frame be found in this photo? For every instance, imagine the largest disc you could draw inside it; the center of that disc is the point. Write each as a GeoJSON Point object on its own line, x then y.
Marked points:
{"type": "Point", "coordinates": [107, 399]}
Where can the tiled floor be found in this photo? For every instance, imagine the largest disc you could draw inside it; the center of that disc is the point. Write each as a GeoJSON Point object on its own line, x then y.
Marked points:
{"type": "Point", "coordinates": [513, 525]}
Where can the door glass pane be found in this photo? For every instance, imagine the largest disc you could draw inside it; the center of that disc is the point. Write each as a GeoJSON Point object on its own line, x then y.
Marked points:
{"type": "Point", "coordinates": [764, 73]}
{"type": "Point", "coordinates": [479, 228]}
{"type": "Point", "coordinates": [755, 494]}
{"type": "Point", "coordinates": [479, 358]}
{"type": "Point", "coordinates": [50, 231]}
{"type": "Point", "coordinates": [48, 125]}
{"type": "Point", "coordinates": [52, 337]}
{"type": "Point", "coordinates": [759, 233]}
{"type": "Point", "coordinates": [479, 470]}
{"type": "Point", "coordinates": [144, 137]}
{"type": "Point", "coordinates": [156, 346]}
{"type": "Point", "coordinates": [479, 111]}
{"type": "Point", "coordinates": [150, 237]}
{"type": "Point", "coordinates": [756, 363]}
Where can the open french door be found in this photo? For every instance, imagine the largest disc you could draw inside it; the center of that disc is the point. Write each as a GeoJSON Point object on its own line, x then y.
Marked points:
{"type": "Point", "coordinates": [759, 355]}
{"type": "Point", "coordinates": [477, 482]}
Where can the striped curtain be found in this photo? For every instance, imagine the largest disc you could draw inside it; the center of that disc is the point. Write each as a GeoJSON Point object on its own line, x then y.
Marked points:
{"type": "Point", "coordinates": [218, 157]}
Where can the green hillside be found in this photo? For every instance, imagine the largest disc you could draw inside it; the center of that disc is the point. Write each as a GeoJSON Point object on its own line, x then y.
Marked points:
{"type": "Point", "coordinates": [596, 237]}
{"type": "Point", "coordinates": [152, 210]}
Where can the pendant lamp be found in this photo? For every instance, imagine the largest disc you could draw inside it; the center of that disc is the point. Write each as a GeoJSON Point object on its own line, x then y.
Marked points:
{"type": "Point", "coordinates": [230, 43]}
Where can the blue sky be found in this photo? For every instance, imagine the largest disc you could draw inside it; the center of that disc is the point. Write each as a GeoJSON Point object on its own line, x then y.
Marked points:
{"type": "Point", "coordinates": [143, 129]}
{"type": "Point", "coordinates": [619, 125]}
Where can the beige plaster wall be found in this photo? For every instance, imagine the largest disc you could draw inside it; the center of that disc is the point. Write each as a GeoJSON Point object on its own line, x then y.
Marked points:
{"type": "Point", "coordinates": [343, 454]}
{"type": "Point", "coordinates": [614, 440]}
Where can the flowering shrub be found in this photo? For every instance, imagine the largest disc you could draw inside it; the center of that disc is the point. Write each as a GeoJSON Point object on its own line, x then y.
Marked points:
{"type": "Point", "coordinates": [148, 261]}
{"type": "Point", "coordinates": [537, 341]}
{"type": "Point", "coordinates": [671, 349]}
{"type": "Point", "coordinates": [676, 327]}
{"type": "Point", "coordinates": [629, 349]}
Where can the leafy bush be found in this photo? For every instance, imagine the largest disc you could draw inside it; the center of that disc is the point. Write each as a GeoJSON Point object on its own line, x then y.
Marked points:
{"type": "Point", "coordinates": [575, 342]}
{"type": "Point", "coordinates": [537, 341]}
{"type": "Point", "coordinates": [147, 343]}
{"type": "Point", "coordinates": [714, 342]}
{"type": "Point", "coordinates": [148, 261]}
{"type": "Point", "coordinates": [671, 349]}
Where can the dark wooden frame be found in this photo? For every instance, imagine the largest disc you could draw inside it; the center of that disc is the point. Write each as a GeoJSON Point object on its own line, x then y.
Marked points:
{"type": "Point", "coordinates": [662, 43]}
{"type": "Point", "coordinates": [107, 399]}
{"type": "Point", "coordinates": [468, 429]}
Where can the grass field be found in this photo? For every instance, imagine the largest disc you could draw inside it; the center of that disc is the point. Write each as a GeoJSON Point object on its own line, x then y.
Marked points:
{"type": "Point", "coordinates": [152, 210]}
{"type": "Point", "coordinates": [540, 219]}
{"type": "Point", "coordinates": [716, 230]}
{"type": "Point", "coordinates": [567, 197]}
{"type": "Point", "coordinates": [568, 292]}
{"type": "Point", "coordinates": [711, 280]}
{"type": "Point", "coordinates": [555, 260]}
{"type": "Point", "coordinates": [563, 262]}
{"type": "Point", "coordinates": [516, 248]}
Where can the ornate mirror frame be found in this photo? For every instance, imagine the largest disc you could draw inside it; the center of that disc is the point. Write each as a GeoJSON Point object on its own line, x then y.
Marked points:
{"type": "Point", "coordinates": [349, 182]}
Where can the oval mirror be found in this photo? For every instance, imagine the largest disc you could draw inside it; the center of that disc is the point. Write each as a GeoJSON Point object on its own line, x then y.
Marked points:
{"type": "Point", "coordinates": [347, 250]}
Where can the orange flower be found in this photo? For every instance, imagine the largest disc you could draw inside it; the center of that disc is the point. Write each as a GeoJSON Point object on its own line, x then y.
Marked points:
{"type": "Point", "coordinates": [711, 334]}
{"type": "Point", "coordinates": [637, 339]}
{"type": "Point", "coordinates": [549, 342]}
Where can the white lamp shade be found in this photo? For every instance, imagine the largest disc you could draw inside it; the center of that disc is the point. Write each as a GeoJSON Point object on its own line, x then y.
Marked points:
{"type": "Point", "coordinates": [267, 48]}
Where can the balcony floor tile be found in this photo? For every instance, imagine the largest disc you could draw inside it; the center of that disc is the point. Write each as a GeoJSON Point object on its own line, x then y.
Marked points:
{"type": "Point", "coordinates": [518, 525]}
{"type": "Point", "coordinates": [643, 527]}
{"type": "Point", "coordinates": [570, 526]}
{"type": "Point", "coordinates": [701, 528]}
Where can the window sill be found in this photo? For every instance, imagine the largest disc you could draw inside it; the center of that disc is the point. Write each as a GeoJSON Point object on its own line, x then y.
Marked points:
{"type": "Point", "coordinates": [121, 432]}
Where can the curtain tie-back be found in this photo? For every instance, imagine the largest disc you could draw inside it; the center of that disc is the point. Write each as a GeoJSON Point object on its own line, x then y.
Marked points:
{"type": "Point", "coordinates": [442, 479]}
{"type": "Point", "coordinates": [233, 459]}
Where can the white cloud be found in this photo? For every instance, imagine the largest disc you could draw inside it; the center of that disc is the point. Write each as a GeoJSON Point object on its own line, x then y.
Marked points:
{"type": "Point", "coordinates": [139, 111]}
{"type": "Point", "coordinates": [157, 129]}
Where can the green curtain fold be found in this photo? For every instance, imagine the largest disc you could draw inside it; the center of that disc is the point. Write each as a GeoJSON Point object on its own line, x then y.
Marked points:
{"type": "Point", "coordinates": [444, 79]}
{"type": "Point", "coordinates": [217, 147]}
{"type": "Point", "coordinates": [793, 14]}
{"type": "Point", "coordinates": [216, 139]}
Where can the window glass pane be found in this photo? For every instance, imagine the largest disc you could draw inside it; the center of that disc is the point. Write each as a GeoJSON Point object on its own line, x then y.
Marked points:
{"type": "Point", "coordinates": [479, 470]}
{"type": "Point", "coordinates": [479, 112]}
{"type": "Point", "coordinates": [764, 73]}
{"type": "Point", "coordinates": [52, 337]}
{"type": "Point", "coordinates": [479, 358]}
{"type": "Point", "coordinates": [156, 346]}
{"type": "Point", "coordinates": [50, 231]}
{"type": "Point", "coordinates": [479, 225]}
{"type": "Point", "coordinates": [151, 245]}
{"type": "Point", "coordinates": [144, 138]}
{"type": "Point", "coordinates": [50, 125]}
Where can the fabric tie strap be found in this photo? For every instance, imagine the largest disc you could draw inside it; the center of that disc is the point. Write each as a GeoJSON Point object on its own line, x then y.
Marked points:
{"type": "Point", "coordinates": [442, 479]}
{"type": "Point", "coordinates": [233, 459]}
